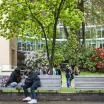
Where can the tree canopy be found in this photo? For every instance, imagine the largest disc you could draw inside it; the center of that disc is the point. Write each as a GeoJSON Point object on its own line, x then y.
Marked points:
{"type": "Point", "coordinates": [38, 18]}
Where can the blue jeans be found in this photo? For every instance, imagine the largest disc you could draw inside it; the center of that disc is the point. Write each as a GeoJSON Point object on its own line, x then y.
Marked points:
{"type": "Point", "coordinates": [33, 93]}
{"type": "Point", "coordinates": [68, 82]}
{"type": "Point", "coordinates": [32, 89]}
{"type": "Point", "coordinates": [13, 84]}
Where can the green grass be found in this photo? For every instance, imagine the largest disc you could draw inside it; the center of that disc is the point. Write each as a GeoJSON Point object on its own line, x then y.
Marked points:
{"type": "Point", "coordinates": [73, 90]}
{"type": "Point", "coordinates": [63, 90]}
{"type": "Point", "coordinates": [91, 74]}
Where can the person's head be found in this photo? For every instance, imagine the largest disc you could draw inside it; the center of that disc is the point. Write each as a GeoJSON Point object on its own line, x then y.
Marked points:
{"type": "Point", "coordinates": [67, 66]}
{"type": "Point", "coordinates": [55, 66]}
{"type": "Point", "coordinates": [58, 66]}
{"type": "Point", "coordinates": [30, 69]}
{"type": "Point", "coordinates": [17, 70]}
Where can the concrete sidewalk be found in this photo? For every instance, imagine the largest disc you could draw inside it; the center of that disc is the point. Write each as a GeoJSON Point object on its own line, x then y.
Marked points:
{"type": "Point", "coordinates": [54, 102]}
{"type": "Point", "coordinates": [55, 96]}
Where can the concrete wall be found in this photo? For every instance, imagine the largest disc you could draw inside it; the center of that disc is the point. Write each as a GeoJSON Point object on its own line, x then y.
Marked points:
{"type": "Point", "coordinates": [4, 52]}
{"type": "Point", "coordinates": [13, 52]}
{"type": "Point", "coordinates": [8, 55]}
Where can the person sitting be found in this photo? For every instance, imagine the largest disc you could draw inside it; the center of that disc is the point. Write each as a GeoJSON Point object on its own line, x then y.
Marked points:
{"type": "Point", "coordinates": [14, 79]}
{"type": "Point", "coordinates": [32, 82]}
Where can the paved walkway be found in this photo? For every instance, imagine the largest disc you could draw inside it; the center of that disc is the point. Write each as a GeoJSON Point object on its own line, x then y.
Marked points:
{"type": "Point", "coordinates": [54, 102]}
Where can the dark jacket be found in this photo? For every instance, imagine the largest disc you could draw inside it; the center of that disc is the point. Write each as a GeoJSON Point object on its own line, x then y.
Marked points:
{"type": "Point", "coordinates": [14, 77]}
{"type": "Point", "coordinates": [58, 71]}
{"type": "Point", "coordinates": [33, 80]}
{"type": "Point", "coordinates": [68, 73]}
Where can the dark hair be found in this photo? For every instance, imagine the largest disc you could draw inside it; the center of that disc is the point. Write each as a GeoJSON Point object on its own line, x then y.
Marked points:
{"type": "Point", "coordinates": [17, 70]}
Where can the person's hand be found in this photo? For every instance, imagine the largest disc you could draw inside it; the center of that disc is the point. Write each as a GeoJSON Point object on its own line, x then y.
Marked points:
{"type": "Point", "coordinates": [5, 85]}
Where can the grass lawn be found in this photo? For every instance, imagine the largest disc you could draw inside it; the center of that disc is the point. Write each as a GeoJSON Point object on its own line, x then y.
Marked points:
{"type": "Point", "coordinates": [91, 74]}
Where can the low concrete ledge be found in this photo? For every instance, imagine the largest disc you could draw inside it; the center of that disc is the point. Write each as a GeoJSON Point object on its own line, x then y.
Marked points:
{"type": "Point", "coordinates": [55, 96]}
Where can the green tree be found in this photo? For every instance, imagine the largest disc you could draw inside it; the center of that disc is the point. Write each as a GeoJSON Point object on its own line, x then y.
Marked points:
{"type": "Point", "coordinates": [94, 12]}
{"type": "Point", "coordinates": [87, 59]}
{"type": "Point", "coordinates": [81, 6]}
{"type": "Point", "coordinates": [93, 15]}
{"type": "Point", "coordinates": [39, 18]}
{"type": "Point", "coordinates": [71, 51]}
{"type": "Point", "coordinates": [58, 57]}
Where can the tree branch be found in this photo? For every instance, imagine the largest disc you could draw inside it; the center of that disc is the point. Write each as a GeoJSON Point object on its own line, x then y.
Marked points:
{"type": "Point", "coordinates": [56, 15]}
{"type": "Point", "coordinates": [42, 27]}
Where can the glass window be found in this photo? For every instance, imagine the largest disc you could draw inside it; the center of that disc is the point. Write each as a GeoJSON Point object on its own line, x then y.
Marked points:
{"type": "Point", "coordinates": [24, 46]}
{"type": "Point", "coordinates": [94, 45]}
{"type": "Point", "coordinates": [103, 33]}
{"type": "Point", "coordinates": [103, 45]}
{"type": "Point", "coordinates": [28, 47]}
{"type": "Point", "coordinates": [19, 46]}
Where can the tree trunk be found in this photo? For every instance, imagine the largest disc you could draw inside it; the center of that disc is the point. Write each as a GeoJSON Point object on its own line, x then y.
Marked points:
{"type": "Point", "coordinates": [83, 34]}
{"type": "Point", "coordinates": [53, 47]}
{"type": "Point", "coordinates": [81, 7]}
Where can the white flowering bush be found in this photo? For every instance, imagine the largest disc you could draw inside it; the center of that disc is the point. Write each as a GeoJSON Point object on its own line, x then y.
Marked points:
{"type": "Point", "coordinates": [35, 59]}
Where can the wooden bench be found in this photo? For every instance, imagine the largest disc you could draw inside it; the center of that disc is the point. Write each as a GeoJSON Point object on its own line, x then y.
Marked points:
{"type": "Point", "coordinates": [48, 82]}
{"type": "Point", "coordinates": [89, 82]}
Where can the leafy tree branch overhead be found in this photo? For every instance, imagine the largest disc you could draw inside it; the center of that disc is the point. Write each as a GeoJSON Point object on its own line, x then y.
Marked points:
{"type": "Point", "coordinates": [38, 18]}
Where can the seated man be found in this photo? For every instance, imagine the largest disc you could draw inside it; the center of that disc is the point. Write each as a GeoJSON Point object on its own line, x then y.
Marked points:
{"type": "Point", "coordinates": [32, 82]}
{"type": "Point", "coordinates": [14, 78]}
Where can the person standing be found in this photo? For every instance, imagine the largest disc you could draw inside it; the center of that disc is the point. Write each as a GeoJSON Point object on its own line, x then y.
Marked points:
{"type": "Point", "coordinates": [68, 73]}
{"type": "Point", "coordinates": [32, 82]}
{"type": "Point", "coordinates": [58, 70]}
{"type": "Point", "coordinates": [76, 71]}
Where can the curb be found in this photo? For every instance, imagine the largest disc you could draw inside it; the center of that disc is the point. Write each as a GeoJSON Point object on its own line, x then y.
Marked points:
{"type": "Point", "coordinates": [55, 96]}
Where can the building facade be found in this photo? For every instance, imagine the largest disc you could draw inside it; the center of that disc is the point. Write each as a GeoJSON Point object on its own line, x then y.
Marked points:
{"type": "Point", "coordinates": [8, 55]}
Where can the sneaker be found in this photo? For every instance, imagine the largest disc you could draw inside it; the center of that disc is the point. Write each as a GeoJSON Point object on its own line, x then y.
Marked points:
{"type": "Point", "coordinates": [33, 101]}
{"type": "Point", "coordinates": [27, 99]}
